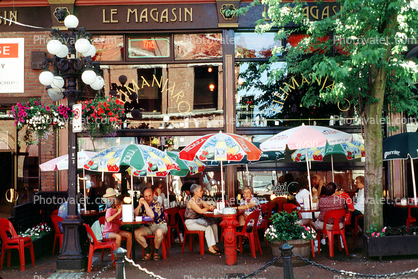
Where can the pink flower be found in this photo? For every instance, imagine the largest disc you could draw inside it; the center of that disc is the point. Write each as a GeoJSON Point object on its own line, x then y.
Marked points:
{"type": "Point", "coordinates": [377, 234]}
{"type": "Point", "coordinates": [373, 233]}
{"type": "Point", "coordinates": [47, 108]}
{"type": "Point", "coordinates": [384, 229]}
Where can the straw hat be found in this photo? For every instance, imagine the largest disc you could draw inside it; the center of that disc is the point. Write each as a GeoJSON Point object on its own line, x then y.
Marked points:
{"type": "Point", "coordinates": [110, 192]}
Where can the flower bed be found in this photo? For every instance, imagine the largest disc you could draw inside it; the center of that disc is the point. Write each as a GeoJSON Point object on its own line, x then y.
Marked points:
{"type": "Point", "coordinates": [36, 232]}
{"type": "Point", "coordinates": [390, 241]}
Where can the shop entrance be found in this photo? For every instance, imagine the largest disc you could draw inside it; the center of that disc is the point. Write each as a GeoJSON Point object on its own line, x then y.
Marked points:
{"type": "Point", "coordinates": [6, 175]}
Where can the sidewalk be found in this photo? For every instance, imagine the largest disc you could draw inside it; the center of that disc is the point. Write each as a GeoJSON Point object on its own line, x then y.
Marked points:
{"type": "Point", "coordinates": [192, 265]}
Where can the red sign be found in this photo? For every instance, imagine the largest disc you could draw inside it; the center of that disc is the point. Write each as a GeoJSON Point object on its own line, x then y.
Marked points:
{"type": "Point", "coordinates": [9, 50]}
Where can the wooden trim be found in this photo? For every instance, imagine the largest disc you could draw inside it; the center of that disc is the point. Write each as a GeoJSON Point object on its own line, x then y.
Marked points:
{"type": "Point", "coordinates": [139, 2]}
{"type": "Point", "coordinates": [24, 3]}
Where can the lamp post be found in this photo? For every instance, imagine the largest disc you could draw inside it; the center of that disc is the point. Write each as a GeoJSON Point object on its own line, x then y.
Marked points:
{"type": "Point", "coordinates": [68, 72]}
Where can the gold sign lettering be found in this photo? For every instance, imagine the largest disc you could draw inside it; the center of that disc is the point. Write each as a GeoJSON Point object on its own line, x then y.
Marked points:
{"type": "Point", "coordinates": [113, 12]}
{"type": "Point", "coordinates": [314, 15]}
{"type": "Point", "coordinates": [134, 11]}
{"type": "Point", "coordinates": [10, 15]}
{"type": "Point", "coordinates": [182, 105]}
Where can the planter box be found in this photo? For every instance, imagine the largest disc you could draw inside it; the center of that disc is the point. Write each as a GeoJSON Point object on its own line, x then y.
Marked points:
{"type": "Point", "coordinates": [394, 245]}
{"type": "Point", "coordinates": [41, 246]}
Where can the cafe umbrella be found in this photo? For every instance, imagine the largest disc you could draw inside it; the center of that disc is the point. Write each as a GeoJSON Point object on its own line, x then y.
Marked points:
{"type": "Point", "coordinates": [305, 136]}
{"type": "Point", "coordinates": [61, 163]}
{"type": "Point", "coordinates": [351, 150]}
{"type": "Point", "coordinates": [185, 168]}
{"type": "Point", "coordinates": [221, 147]}
{"type": "Point", "coordinates": [401, 147]}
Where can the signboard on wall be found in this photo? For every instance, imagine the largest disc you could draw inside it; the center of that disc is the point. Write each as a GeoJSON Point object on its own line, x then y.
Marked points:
{"type": "Point", "coordinates": [12, 65]}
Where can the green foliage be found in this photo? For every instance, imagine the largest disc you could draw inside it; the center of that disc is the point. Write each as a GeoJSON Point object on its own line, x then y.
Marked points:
{"type": "Point", "coordinates": [363, 36]}
{"type": "Point", "coordinates": [286, 226]}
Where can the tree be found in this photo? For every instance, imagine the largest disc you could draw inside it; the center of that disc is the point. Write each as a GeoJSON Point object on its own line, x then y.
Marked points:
{"type": "Point", "coordinates": [361, 45]}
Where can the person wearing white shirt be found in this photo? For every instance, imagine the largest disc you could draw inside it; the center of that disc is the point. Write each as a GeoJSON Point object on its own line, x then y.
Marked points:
{"type": "Point", "coordinates": [303, 194]}
{"type": "Point", "coordinates": [359, 205]}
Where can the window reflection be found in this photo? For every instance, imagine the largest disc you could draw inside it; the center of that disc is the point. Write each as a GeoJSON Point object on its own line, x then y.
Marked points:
{"type": "Point", "coordinates": [198, 46]}
{"type": "Point", "coordinates": [108, 48]}
{"type": "Point", "coordinates": [253, 45]}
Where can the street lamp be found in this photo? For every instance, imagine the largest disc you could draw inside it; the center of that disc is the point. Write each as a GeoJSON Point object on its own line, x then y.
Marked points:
{"type": "Point", "coordinates": [68, 73]}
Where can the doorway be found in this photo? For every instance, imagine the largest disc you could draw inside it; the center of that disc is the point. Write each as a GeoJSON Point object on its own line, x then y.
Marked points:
{"type": "Point", "coordinates": [6, 174]}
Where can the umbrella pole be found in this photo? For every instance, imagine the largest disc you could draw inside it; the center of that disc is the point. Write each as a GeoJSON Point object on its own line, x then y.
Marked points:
{"type": "Point", "coordinates": [168, 191]}
{"type": "Point", "coordinates": [413, 181]}
{"type": "Point", "coordinates": [85, 202]}
{"type": "Point", "coordinates": [248, 175]}
{"type": "Point", "coordinates": [309, 175]}
{"type": "Point", "coordinates": [132, 188]}
{"type": "Point", "coordinates": [222, 184]}
{"type": "Point", "coordinates": [332, 167]}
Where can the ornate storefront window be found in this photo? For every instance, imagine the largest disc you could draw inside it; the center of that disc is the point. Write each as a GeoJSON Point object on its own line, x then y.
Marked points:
{"type": "Point", "coordinates": [253, 45]}
{"type": "Point", "coordinates": [149, 47]}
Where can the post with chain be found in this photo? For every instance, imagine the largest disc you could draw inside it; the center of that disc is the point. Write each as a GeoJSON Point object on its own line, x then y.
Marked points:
{"type": "Point", "coordinates": [287, 260]}
{"type": "Point", "coordinates": [120, 254]}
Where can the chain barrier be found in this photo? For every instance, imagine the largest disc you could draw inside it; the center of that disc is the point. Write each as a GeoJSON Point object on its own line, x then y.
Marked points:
{"type": "Point", "coordinates": [261, 268]}
{"type": "Point", "coordinates": [355, 274]}
{"type": "Point", "coordinates": [103, 269]}
{"type": "Point", "coordinates": [143, 269]}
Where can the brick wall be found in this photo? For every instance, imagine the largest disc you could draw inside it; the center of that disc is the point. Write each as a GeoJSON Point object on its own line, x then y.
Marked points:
{"type": "Point", "coordinates": [34, 41]}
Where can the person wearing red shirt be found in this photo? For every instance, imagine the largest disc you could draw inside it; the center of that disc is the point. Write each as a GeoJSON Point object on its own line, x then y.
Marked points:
{"type": "Point", "coordinates": [348, 201]}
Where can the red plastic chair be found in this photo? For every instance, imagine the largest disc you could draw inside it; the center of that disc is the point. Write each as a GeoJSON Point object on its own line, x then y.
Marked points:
{"type": "Point", "coordinates": [10, 240]}
{"type": "Point", "coordinates": [289, 207]}
{"type": "Point", "coordinates": [189, 233]}
{"type": "Point", "coordinates": [55, 212]}
{"type": "Point", "coordinates": [164, 246]}
{"type": "Point", "coordinates": [95, 244]}
{"type": "Point", "coordinates": [58, 234]}
{"type": "Point", "coordinates": [252, 235]}
{"type": "Point", "coordinates": [172, 224]}
{"type": "Point", "coordinates": [337, 215]}
{"type": "Point", "coordinates": [280, 201]}
{"type": "Point", "coordinates": [264, 224]}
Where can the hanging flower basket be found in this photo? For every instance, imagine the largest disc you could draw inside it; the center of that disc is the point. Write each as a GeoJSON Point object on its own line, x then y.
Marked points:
{"type": "Point", "coordinates": [41, 120]}
{"type": "Point", "coordinates": [102, 117]}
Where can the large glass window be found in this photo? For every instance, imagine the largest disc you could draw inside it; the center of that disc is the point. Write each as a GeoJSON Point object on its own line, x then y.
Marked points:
{"type": "Point", "coordinates": [149, 97]}
{"type": "Point", "coordinates": [149, 47]}
{"type": "Point", "coordinates": [205, 87]}
{"type": "Point", "coordinates": [108, 47]}
{"type": "Point", "coordinates": [253, 45]}
{"type": "Point", "coordinates": [198, 46]}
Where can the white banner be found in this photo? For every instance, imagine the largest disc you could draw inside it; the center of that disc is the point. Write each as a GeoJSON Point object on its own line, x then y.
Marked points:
{"type": "Point", "coordinates": [77, 113]}
{"type": "Point", "coordinates": [12, 65]}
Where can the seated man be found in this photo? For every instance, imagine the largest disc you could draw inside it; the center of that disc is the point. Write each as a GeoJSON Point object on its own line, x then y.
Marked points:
{"type": "Point", "coordinates": [149, 207]}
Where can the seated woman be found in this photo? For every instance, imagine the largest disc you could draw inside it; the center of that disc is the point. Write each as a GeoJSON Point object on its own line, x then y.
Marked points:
{"type": "Point", "coordinates": [249, 203]}
{"type": "Point", "coordinates": [327, 203]}
{"type": "Point", "coordinates": [303, 194]}
{"type": "Point", "coordinates": [112, 225]}
{"type": "Point", "coordinates": [194, 209]}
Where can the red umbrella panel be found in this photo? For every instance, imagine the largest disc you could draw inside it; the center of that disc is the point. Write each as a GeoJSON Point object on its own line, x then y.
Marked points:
{"type": "Point", "coordinates": [221, 147]}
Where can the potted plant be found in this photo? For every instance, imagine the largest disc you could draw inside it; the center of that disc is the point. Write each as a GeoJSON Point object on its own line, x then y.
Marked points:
{"type": "Point", "coordinates": [390, 241]}
{"type": "Point", "coordinates": [101, 117]}
{"type": "Point", "coordinates": [41, 120]}
{"type": "Point", "coordinates": [286, 227]}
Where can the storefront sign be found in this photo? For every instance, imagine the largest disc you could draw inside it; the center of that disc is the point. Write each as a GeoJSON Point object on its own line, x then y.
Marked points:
{"type": "Point", "coordinates": [147, 17]}
{"type": "Point", "coordinates": [12, 66]}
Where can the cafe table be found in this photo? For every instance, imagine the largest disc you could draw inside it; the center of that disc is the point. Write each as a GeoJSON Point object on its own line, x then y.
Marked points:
{"type": "Point", "coordinates": [133, 225]}
{"type": "Point", "coordinates": [230, 224]}
{"type": "Point", "coordinates": [410, 219]}
{"type": "Point", "coordinates": [308, 210]}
